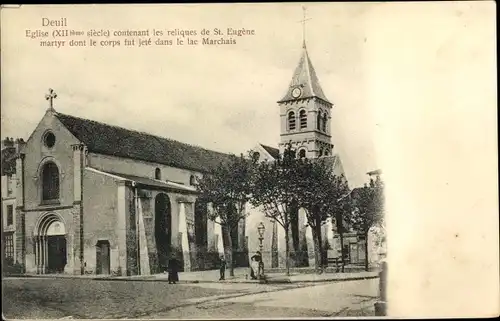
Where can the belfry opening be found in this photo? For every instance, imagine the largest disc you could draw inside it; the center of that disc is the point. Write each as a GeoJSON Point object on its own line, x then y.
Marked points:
{"type": "Point", "coordinates": [50, 245]}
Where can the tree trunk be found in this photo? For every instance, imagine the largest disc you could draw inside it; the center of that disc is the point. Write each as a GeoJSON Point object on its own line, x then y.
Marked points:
{"type": "Point", "coordinates": [233, 259]}
{"type": "Point", "coordinates": [228, 249]}
{"type": "Point", "coordinates": [321, 247]}
{"type": "Point", "coordinates": [341, 235]}
{"type": "Point", "coordinates": [287, 252]}
{"type": "Point", "coordinates": [317, 246]}
{"type": "Point", "coordinates": [366, 252]}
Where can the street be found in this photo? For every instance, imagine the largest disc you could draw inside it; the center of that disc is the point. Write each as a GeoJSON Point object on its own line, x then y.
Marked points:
{"type": "Point", "coordinates": [37, 298]}
{"type": "Point", "coordinates": [348, 298]}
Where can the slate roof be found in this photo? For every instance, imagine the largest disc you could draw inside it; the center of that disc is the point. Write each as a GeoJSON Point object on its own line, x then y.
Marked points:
{"type": "Point", "coordinates": [111, 140]}
{"type": "Point", "coordinates": [274, 152]}
{"type": "Point", "coordinates": [328, 160]}
{"type": "Point", "coordinates": [8, 161]}
{"type": "Point", "coordinates": [305, 77]}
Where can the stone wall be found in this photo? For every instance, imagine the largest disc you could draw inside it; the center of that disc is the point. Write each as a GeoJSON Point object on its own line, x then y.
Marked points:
{"type": "Point", "coordinates": [140, 168]}
{"type": "Point", "coordinates": [100, 205]}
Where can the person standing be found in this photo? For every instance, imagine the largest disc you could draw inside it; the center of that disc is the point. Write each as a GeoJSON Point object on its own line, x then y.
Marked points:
{"type": "Point", "coordinates": [261, 269]}
{"type": "Point", "coordinates": [254, 267]}
{"type": "Point", "coordinates": [222, 268]}
{"type": "Point", "coordinates": [173, 270]}
{"type": "Point", "coordinates": [259, 265]}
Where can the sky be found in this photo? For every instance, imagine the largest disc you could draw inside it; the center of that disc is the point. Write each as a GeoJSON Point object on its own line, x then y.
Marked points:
{"type": "Point", "coordinates": [217, 97]}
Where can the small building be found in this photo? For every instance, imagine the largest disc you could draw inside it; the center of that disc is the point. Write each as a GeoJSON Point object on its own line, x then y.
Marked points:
{"type": "Point", "coordinates": [8, 188]}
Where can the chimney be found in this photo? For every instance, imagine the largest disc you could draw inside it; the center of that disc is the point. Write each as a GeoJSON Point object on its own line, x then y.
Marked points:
{"type": "Point", "coordinates": [20, 145]}
{"type": "Point", "coordinates": [7, 142]}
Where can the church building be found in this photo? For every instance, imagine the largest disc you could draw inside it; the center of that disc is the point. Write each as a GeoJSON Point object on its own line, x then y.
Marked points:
{"type": "Point", "coordinates": [93, 198]}
{"type": "Point", "coordinates": [99, 199]}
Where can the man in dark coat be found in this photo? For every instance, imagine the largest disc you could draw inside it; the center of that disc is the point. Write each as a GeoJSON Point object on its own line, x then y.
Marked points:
{"type": "Point", "coordinates": [222, 268]}
{"type": "Point", "coordinates": [173, 270]}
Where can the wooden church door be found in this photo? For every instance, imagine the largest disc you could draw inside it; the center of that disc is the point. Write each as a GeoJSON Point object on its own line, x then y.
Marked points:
{"type": "Point", "coordinates": [102, 257]}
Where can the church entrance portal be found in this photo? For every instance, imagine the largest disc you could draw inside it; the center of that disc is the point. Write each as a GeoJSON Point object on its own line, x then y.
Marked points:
{"type": "Point", "coordinates": [50, 245]}
{"type": "Point", "coordinates": [56, 253]}
{"type": "Point", "coordinates": [163, 230]}
{"type": "Point", "coordinates": [102, 257]}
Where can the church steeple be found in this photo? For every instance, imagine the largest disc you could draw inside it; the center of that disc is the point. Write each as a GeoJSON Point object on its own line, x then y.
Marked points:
{"type": "Point", "coordinates": [304, 78]}
{"type": "Point", "coordinates": [305, 111]}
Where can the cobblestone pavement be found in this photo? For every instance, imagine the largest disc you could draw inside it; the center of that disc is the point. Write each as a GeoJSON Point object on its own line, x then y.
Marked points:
{"type": "Point", "coordinates": [339, 299]}
{"type": "Point", "coordinates": [79, 298]}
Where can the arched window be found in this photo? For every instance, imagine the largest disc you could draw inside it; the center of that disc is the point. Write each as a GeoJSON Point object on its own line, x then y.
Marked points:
{"type": "Point", "coordinates": [157, 173]}
{"type": "Point", "coordinates": [192, 180]}
{"type": "Point", "coordinates": [318, 121]}
{"type": "Point", "coordinates": [291, 120]}
{"type": "Point", "coordinates": [302, 153]}
{"type": "Point", "coordinates": [321, 152]}
{"type": "Point", "coordinates": [50, 182]}
{"type": "Point", "coordinates": [325, 118]}
{"type": "Point", "coordinates": [326, 152]}
{"type": "Point", "coordinates": [303, 119]}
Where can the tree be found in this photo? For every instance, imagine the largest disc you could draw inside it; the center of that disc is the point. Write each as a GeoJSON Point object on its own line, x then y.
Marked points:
{"type": "Point", "coordinates": [368, 208]}
{"type": "Point", "coordinates": [341, 214]}
{"type": "Point", "coordinates": [272, 191]}
{"type": "Point", "coordinates": [321, 194]}
{"type": "Point", "coordinates": [227, 188]}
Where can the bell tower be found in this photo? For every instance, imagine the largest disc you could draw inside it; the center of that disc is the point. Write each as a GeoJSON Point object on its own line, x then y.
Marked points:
{"type": "Point", "coordinates": [305, 113]}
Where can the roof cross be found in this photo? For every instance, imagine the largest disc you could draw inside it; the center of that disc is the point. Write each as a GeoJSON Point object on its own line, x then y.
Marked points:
{"type": "Point", "coordinates": [50, 97]}
{"type": "Point", "coordinates": [304, 27]}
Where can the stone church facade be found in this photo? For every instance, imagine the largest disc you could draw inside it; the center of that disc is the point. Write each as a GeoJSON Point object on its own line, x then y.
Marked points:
{"type": "Point", "coordinates": [98, 199]}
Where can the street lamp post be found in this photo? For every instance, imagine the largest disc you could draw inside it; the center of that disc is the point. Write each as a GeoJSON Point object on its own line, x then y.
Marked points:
{"type": "Point", "coordinates": [261, 229]}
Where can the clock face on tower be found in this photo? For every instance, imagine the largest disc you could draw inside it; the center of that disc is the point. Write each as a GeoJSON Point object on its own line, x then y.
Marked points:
{"type": "Point", "coordinates": [296, 92]}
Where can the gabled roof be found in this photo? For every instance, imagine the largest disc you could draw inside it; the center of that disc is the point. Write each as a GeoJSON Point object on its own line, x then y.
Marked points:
{"type": "Point", "coordinates": [116, 141]}
{"type": "Point", "coordinates": [8, 161]}
{"type": "Point", "coordinates": [274, 152]}
{"type": "Point", "coordinates": [305, 77]}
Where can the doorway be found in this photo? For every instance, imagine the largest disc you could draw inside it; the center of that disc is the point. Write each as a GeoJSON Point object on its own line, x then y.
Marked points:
{"type": "Point", "coordinates": [102, 256]}
{"type": "Point", "coordinates": [56, 253]}
{"type": "Point", "coordinates": [200, 232]}
{"type": "Point", "coordinates": [163, 230]}
{"type": "Point", "coordinates": [50, 244]}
